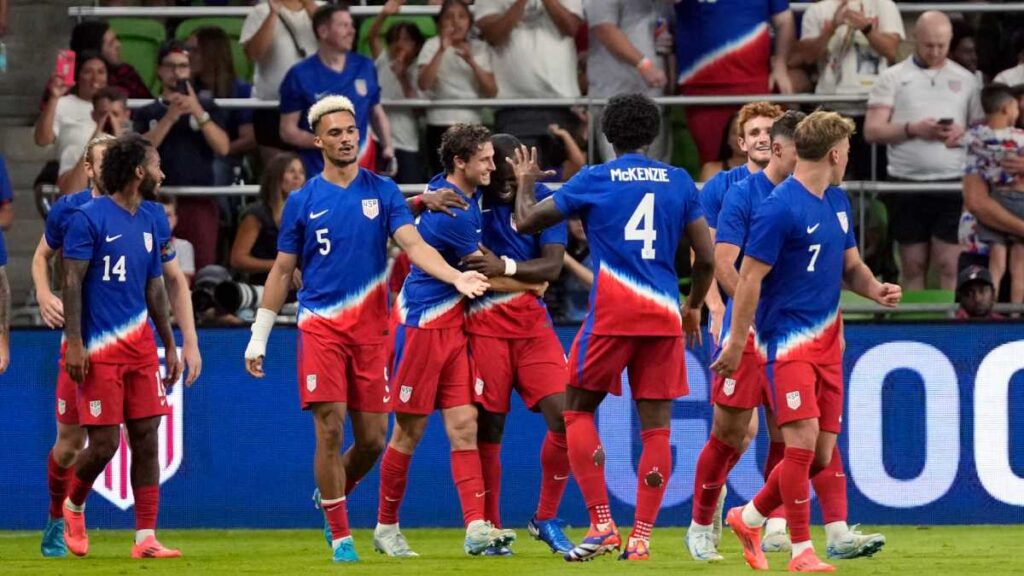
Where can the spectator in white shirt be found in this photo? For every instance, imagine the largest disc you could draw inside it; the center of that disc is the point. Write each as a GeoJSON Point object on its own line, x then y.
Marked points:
{"type": "Point", "coordinates": [1014, 76]}
{"type": "Point", "coordinates": [914, 107]}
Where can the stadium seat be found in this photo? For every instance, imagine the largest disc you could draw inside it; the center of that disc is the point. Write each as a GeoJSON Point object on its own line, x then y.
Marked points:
{"type": "Point", "coordinates": [426, 24]}
{"type": "Point", "coordinates": [233, 28]}
{"type": "Point", "coordinates": [927, 297]}
{"type": "Point", "coordinates": [140, 43]}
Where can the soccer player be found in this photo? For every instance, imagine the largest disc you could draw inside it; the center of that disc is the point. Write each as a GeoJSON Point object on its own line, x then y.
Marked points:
{"type": "Point", "coordinates": [635, 211]}
{"type": "Point", "coordinates": [736, 399]}
{"type": "Point", "coordinates": [800, 251]}
{"type": "Point", "coordinates": [112, 282]}
{"type": "Point", "coordinates": [431, 366]}
{"type": "Point", "coordinates": [514, 345]}
{"type": "Point", "coordinates": [70, 436]}
{"type": "Point", "coordinates": [339, 223]}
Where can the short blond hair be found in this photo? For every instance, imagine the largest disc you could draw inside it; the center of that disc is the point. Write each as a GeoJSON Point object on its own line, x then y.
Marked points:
{"type": "Point", "coordinates": [328, 105]}
{"type": "Point", "coordinates": [820, 132]}
{"type": "Point", "coordinates": [101, 140]}
{"type": "Point", "coordinates": [755, 109]}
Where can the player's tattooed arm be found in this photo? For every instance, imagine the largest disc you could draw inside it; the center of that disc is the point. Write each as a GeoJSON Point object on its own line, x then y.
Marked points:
{"type": "Point", "coordinates": [532, 216]}
{"type": "Point", "coordinates": [75, 360]}
{"type": "Point", "coordinates": [5, 322]}
{"type": "Point", "coordinates": [160, 311]}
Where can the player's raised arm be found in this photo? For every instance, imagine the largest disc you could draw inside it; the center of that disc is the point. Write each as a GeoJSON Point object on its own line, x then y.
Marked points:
{"type": "Point", "coordinates": [75, 360]}
{"type": "Point", "coordinates": [275, 291]}
{"type": "Point", "coordinates": [5, 323]}
{"type": "Point", "coordinates": [532, 216]}
{"type": "Point", "coordinates": [469, 283]}
{"type": "Point", "coordinates": [160, 311]}
{"type": "Point", "coordinates": [858, 277]}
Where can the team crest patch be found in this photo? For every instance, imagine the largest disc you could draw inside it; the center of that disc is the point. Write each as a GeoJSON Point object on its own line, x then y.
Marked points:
{"type": "Point", "coordinates": [793, 400]}
{"type": "Point", "coordinates": [95, 408]}
{"type": "Point", "coordinates": [478, 387]}
{"type": "Point", "coordinates": [148, 239]}
{"type": "Point", "coordinates": [361, 87]}
{"type": "Point", "coordinates": [729, 387]}
{"type": "Point", "coordinates": [310, 382]}
{"type": "Point", "coordinates": [371, 208]}
{"type": "Point", "coordinates": [405, 393]}
{"type": "Point", "coordinates": [844, 222]}
{"type": "Point", "coordinates": [62, 406]}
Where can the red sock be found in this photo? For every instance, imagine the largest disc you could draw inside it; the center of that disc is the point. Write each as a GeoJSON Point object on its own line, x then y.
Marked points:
{"type": "Point", "coordinates": [57, 479]}
{"type": "Point", "coordinates": [775, 452]}
{"type": "Point", "coordinates": [652, 474]}
{"type": "Point", "coordinates": [469, 482]}
{"type": "Point", "coordinates": [147, 505]}
{"type": "Point", "coordinates": [795, 487]}
{"type": "Point", "coordinates": [394, 472]}
{"type": "Point", "coordinates": [554, 475]}
{"type": "Point", "coordinates": [337, 517]}
{"type": "Point", "coordinates": [78, 489]}
{"type": "Point", "coordinates": [830, 485]}
{"type": "Point", "coordinates": [586, 456]}
{"type": "Point", "coordinates": [712, 470]}
{"type": "Point", "coordinates": [490, 465]}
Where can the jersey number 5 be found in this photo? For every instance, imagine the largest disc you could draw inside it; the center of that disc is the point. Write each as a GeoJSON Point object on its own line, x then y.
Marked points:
{"type": "Point", "coordinates": [118, 269]}
{"type": "Point", "coordinates": [641, 226]}
{"type": "Point", "coordinates": [323, 241]}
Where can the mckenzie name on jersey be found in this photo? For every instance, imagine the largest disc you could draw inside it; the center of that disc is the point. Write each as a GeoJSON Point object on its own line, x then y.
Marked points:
{"type": "Point", "coordinates": [426, 302]}
{"type": "Point", "coordinates": [123, 256]}
{"type": "Point", "coordinates": [804, 238]}
{"type": "Point", "coordinates": [634, 212]}
{"type": "Point", "coordinates": [512, 314]}
{"type": "Point", "coordinates": [341, 238]}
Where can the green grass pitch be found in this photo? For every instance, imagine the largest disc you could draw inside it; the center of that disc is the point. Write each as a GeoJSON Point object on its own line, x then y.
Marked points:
{"type": "Point", "coordinates": [933, 551]}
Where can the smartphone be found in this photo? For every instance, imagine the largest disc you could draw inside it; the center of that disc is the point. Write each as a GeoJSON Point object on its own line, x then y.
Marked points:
{"type": "Point", "coordinates": [945, 122]}
{"type": "Point", "coordinates": [65, 67]}
{"type": "Point", "coordinates": [181, 87]}
{"type": "Point", "coordinates": [108, 126]}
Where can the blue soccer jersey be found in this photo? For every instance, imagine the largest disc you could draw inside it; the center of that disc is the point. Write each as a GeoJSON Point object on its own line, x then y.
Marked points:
{"type": "Point", "coordinates": [804, 238]}
{"type": "Point", "coordinates": [164, 239]}
{"type": "Point", "coordinates": [741, 203]}
{"type": "Point", "coordinates": [512, 314]}
{"type": "Point", "coordinates": [426, 302]}
{"type": "Point", "coordinates": [311, 79]}
{"type": "Point", "coordinates": [60, 214]}
{"type": "Point", "coordinates": [123, 256]}
{"type": "Point", "coordinates": [634, 211]}
{"type": "Point", "coordinates": [712, 195]}
{"type": "Point", "coordinates": [341, 238]}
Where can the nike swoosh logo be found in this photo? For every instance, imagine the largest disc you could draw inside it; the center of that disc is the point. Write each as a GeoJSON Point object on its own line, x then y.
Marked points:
{"type": "Point", "coordinates": [811, 229]}
{"type": "Point", "coordinates": [481, 494]}
{"type": "Point", "coordinates": [387, 399]}
{"type": "Point", "coordinates": [112, 238]}
{"type": "Point", "coordinates": [804, 501]}
{"type": "Point", "coordinates": [711, 487]}
{"type": "Point", "coordinates": [478, 231]}
{"type": "Point", "coordinates": [560, 478]}
{"type": "Point", "coordinates": [392, 499]}
{"type": "Point", "coordinates": [315, 215]}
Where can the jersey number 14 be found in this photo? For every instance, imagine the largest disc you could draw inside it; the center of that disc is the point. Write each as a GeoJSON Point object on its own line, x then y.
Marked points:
{"type": "Point", "coordinates": [118, 269]}
{"type": "Point", "coordinates": [641, 226]}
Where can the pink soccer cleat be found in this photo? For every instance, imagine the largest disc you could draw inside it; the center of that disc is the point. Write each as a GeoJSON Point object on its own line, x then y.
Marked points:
{"type": "Point", "coordinates": [151, 548]}
{"type": "Point", "coordinates": [750, 538]}
{"type": "Point", "coordinates": [808, 561]}
{"type": "Point", "coordinates": [75, 536]}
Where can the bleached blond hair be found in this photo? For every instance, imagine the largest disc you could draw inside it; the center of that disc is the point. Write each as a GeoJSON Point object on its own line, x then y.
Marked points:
{"type": "Point", "coordinates": [819, 132]}
{"type": "Point", "coordinates": [328, 105]}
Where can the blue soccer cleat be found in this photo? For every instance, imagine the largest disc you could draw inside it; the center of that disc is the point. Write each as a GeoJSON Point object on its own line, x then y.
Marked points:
{"type": "Point", "coordinates": [53, 545]}
{"type": "Point", "coordinates": [498, 551]}
{"type": "Point", "coordinates": [599, 540]}
{"type": "Point", "coordinates": [551, 533]}
{"type": "Point", "coordinates": [327, 525]}
{"type": "Point", "coordinates": [346, 551]}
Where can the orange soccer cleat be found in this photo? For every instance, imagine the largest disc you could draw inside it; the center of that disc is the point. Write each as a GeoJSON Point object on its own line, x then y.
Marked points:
{"type": "Point", "coordinates": [75, 536]}
{"type": "Point", "coordinates": [749, 537]}
{"type": "Point", "coordinates": [151, 548]}
{"type": "Point", "coordinates": [808, 561]}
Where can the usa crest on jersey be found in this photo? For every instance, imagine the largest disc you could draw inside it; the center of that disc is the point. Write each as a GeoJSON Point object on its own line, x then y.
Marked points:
{"type": "Point", "coordinates": [371, 208]}
{"type": "Point", "coordinates": [844, 222]}
{"type": "Point", "coordinates": [114, 483]}
{"type": "Point", "coordinates": [148, 239]}
{"type": "Point", "coordinates": [361, 88]}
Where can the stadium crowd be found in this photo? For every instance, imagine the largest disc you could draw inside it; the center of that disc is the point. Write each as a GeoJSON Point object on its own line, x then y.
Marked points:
{"type": "Point", "coordinates": [299, 50]}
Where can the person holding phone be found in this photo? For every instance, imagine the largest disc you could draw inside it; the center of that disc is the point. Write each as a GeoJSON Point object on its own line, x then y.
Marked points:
{"type": "Point", "coordinates": [915, 107]}
{"type": "Point", "coordinates": [188, 132]}
{"type": "Point", "coordinates": [111, 115]}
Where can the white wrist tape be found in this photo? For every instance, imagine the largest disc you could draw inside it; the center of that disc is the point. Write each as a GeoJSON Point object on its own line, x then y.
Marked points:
{"type": "Point", "coordinates": [261, 328]}
{"type": "Point", "coordinates": [510, 266]}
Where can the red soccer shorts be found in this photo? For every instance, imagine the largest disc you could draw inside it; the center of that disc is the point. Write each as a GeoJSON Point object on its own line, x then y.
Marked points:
{"type": "Point", "coordinates": [431, 370]}
{"type": "Point", "coordinates": [67, 397]}
{"type": "Point", "coordinates": [747, 388]}
{"type": "Point", "coordinates": [534, 366]}
{"type": "Point", "coordinates": [331, 371]}
{"type": "Point", "coordinates": [656, 365]}
{"type": "Point", "coordinates": [804, 390]}
{"type": "Point", "coordinates": [114, 393]}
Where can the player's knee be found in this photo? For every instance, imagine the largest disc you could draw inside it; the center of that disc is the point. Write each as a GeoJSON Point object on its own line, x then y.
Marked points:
{"type": "Point", "coordinates": [103, 447]}
{"type": "Point", "coordinates": [730, 433]}
{"type": "Point", "coordinates": [372, 444]}
{"type": "Point", "coordinates": [330, 437]}
{"type": "Point", "coordinates": [822, 460]}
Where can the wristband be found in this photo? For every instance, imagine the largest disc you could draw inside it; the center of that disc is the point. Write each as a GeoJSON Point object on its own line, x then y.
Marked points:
{"type": "Point", "coordinates": [510, 266]}
{"type": "Point", "coordinates": [644, 64]}
{"type": "Point", "coordinates": [263, 324]}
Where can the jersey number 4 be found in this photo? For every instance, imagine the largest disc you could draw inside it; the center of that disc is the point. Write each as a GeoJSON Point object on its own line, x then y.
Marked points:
{"type": "Point", "coordinates": [641, 226]}
{"type": "Point", "coordinates": [118, 269]}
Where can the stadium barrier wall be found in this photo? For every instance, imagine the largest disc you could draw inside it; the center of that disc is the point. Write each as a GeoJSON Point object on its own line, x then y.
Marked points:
{"type": "Point", "coordinates": [933, 434]}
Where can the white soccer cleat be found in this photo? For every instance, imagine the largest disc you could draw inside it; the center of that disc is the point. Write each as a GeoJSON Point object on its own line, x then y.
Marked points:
{"type": "Point", "coordinates": [702, 546]}
{"type": "Point", "coordinates": [853, 544]}
{"type": "Point", "coordinates": [481, 535]}
{"type": "Point", "coordinates": [776, 542]}
{"type": "Point", "coordinates": [716, 522]}
{"type": "Point", "coordinates": [387, 539]}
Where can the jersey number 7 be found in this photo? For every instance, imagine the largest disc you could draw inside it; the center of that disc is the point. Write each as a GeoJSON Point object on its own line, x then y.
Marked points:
{"type": "Point", "coordinates": [641, 226]}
